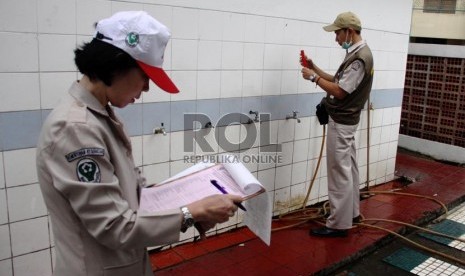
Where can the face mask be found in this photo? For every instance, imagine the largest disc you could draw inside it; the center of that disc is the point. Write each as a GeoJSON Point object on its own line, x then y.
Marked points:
{"type": "Point", "coordinates": [346, 45]}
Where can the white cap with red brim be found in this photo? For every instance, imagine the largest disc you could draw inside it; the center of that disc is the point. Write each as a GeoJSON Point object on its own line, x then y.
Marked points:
{"type": "Point", "coordinates": [143, 38]}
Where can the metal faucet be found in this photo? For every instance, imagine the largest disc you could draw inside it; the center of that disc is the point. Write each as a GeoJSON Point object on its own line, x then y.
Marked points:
{"type": "Point", "coordinates": [257, 117]}
{"type": "Point", "coordinates": [293, 116]}
{"type": "Point", "coordinates": [209, 125]}
{"type": "Point", "coordinates": [160, 130]}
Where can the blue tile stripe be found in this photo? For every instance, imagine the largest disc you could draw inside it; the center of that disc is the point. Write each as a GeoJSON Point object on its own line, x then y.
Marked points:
{"type": "Point", "coordinates": [448, 227]}
{"type": "Point", "coordinates": [20, 129]}
{"type": "Point", "coordinates": [406, 259]}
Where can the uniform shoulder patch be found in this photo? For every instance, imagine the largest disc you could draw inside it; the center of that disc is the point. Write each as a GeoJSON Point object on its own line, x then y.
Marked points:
{"type": "Point", "coordinates": [84, 152]}
{"type": "Point", "coordinates": [87, 170]}
{"type": "Point", "coordinates": [356, 65]}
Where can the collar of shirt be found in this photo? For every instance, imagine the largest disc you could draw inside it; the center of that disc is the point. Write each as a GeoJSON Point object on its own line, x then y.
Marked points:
{"type": "Point", "coordinates": [86, 98]}
{"type": "Point", "coordinates": [356, 46]}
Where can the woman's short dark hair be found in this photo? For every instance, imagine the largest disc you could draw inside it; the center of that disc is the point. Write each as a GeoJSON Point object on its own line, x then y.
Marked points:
{"type": "Point", "coordinates": [102, 61]}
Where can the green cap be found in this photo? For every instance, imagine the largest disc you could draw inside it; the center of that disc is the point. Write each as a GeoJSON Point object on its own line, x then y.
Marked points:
{"type": "Point", "coordinates": [343, 21]}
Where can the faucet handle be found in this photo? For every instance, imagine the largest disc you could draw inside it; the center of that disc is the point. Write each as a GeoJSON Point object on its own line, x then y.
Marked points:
{"type": "Point", "coordinates": [160, 130]}
{"type": "Point", "coordinates": [257, 116]}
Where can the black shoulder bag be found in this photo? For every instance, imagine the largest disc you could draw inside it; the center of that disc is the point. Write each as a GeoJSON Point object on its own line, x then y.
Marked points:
{"type": "Point", "coordinates": [321, 113]}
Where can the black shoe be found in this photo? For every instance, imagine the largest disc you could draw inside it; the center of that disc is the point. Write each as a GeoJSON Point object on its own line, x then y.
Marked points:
{"type": "Point", "coordinates": [357, 219]}
{"type": "Point", "coordinates": [328, 232]}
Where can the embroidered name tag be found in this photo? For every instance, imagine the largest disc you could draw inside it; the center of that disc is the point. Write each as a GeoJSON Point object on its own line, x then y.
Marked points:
{"type": "Point", "coordinates": [84, 152]}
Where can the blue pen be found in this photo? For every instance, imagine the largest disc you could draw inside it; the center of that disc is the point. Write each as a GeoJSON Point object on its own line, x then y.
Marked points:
{"type": "Point", "coordinates": [223, 191]}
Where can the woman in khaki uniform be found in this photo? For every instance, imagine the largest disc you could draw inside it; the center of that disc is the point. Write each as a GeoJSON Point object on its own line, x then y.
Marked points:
{"type": "Point", "coordinates": [84, 159]}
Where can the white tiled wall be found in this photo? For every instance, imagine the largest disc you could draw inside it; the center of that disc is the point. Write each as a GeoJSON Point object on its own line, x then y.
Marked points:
{"type": "Point", "coordinates": [219, 49]}
{"type": "Point", "coordinates": [2, 172]}
{"type": "Point", "coordinates": [19, 84]}
{"type": "Point", "coordinates": [29, 235]}
{"type": "Point", "coordinates": [36, 263]}
{"type": "Point", "coordinates": [25, 202]}
{"type": "Point", "coordinates": [5, 249]}
{"type": "Point", "coordinates": [19, 167]}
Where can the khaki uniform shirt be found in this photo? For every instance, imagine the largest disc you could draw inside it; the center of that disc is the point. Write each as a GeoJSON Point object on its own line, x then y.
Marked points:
{"type": "Point", "coordinates": [90, 186]}
{"type": "Point", "coordinates": [347, 111]}
{"type": "Point", "coordinates": [353, 75]}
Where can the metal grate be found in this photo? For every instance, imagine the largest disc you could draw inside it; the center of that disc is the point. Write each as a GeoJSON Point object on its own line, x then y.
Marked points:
{"type": "Point", "coordinates": [439, 6]}
{"type": "Point", "coordinates": [433, 105]}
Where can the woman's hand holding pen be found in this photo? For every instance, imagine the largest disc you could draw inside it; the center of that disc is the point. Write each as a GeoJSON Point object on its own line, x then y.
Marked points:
{"type": "Point", "coordinates": [213, 209]}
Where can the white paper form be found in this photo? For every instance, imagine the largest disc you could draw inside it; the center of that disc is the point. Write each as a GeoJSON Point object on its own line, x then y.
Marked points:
{"type": "Point", "coordinates": [243, 177]}
{"type": "Point", "coordinates": [194, 183]}
{"type": "Point", "coordinates": [258, 216]}
{"type": "Point", "coordinates": [182, 191]}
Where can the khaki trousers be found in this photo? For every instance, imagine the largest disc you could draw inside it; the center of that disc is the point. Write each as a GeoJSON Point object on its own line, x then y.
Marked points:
{"type": "Point", "coordinates": [343, 177]}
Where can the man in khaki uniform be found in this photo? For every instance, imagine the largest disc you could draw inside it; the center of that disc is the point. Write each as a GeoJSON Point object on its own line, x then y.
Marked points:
{"type": "Point", "coordinates": [346, 94]}
{"type": "Point", "coordinates": [84, 158]}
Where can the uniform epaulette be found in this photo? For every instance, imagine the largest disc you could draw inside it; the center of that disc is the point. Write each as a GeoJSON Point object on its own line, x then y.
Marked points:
{"type": "Point", "coordinates": [77, 112]}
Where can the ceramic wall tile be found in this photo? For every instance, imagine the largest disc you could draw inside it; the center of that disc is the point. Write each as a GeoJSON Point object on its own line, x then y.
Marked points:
{"type": "Point", "coordinates": [25, 202]}
{"type": "Point", "coordinates": [254, 30]}
{"type": "Point", "coordinates": [209, 55]}
{"type": "Point", "coordinates": [231, 84]}
{"type": "Point", "coordinates": [56, 52]}
{"type": "Point", "coordinates": [89, 12]}
{"type": "Point", "coordinates": [299, 172]}
{"type": "Point", "coordinates": [233, 26]}
{"type": "Point", "coordinates": [156, 148]}
{"type": "Point", "coordinates": [29, 235]}
{"type": "Point", "coordinates": [283, 177]}
{"type": "Point", "coordinates": [2, 172]}
{"type": "Point", "coordinates": [208, 84]}
{"type": "Point", "coordinates": [5, 248]}
{"type": "Point", "coordinates": [36, 263]}
{"type": "Point", "coordinates": [232, 55]}
{"type": "Point", "coordinates": [185, 23]}
{"type": "Point", "coordinates": [20, 167]}
{"type": "Point", "coordinates": [19, 52]}
{"type": "Point", "coordinates": [6, 267]}
{"type": "Point", "coordinates": [156, 173]}
{"type": "Point", "coordinates": [57, 16]}
{"type": "Point", "coordinates": [137, 150]}
{"type": "Point", "coordinates": [20, 91]}
{"type": "Point", "coordinates": [253, 56]}
{"type": "Point", "coordinates": [18, 16]}
{"type": "Point", "coordinates": [54, 87]}
{"type": "Point", "coordinates": [211, 24]}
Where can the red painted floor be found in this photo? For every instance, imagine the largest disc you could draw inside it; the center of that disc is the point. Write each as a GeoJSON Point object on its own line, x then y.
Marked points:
{"type": "Point", "coordinates": [294, 252]}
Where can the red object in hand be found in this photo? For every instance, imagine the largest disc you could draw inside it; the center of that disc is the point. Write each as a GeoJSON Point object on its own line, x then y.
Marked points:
{"type": "Point", "coordinates": [303, 60]}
